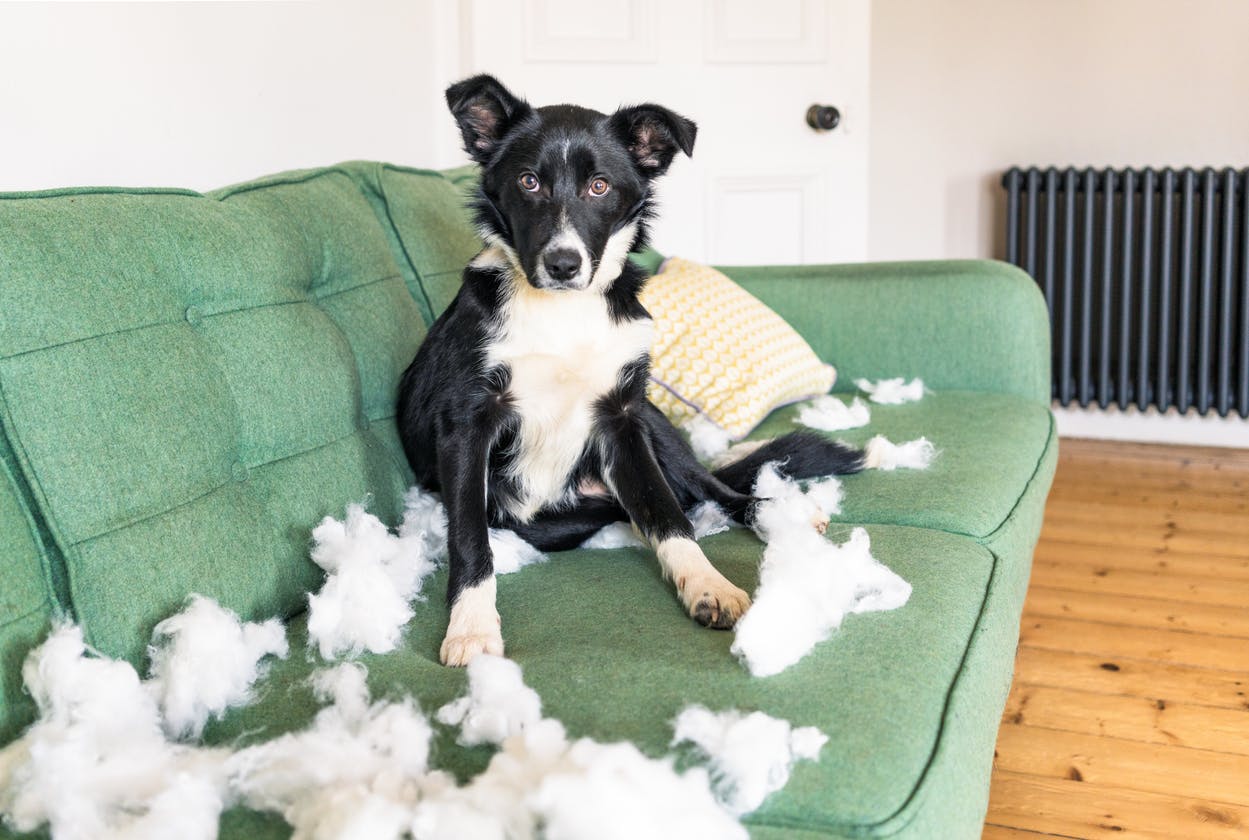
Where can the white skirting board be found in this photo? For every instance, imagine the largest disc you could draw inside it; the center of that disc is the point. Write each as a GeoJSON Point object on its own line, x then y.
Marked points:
{"type": "Point", "coordinates": [1152, 426]}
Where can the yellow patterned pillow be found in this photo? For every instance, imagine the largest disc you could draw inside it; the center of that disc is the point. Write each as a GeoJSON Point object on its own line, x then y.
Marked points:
{"type": "Point", "coordinates": [721, 352]}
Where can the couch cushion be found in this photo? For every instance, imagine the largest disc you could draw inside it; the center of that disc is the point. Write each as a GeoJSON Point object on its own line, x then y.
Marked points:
{"type": "Point", "coordinates": [26, 601]}
{"type": "Point", "coordinates": [989, 444]}
{"type": "Point", "coordinates": [189, 382]}
{"type": "Point", "coordinates": [428, 214]}
{"type": "Point", "coordinates": [605, 642]}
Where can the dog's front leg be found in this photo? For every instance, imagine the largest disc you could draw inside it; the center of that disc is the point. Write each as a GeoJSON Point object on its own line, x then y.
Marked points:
{"type": "Point", "coordinates": [474, 627]}
{"type": "Point", "coordinates": [633, 473]}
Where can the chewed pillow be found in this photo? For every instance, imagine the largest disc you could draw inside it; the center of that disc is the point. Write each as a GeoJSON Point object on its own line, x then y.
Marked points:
{"type": "Point", "coordinates": [720, 352]}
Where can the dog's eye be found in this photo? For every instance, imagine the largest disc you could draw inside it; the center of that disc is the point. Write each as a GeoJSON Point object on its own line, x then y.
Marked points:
{"type": "Point", "coordinates": [529, 182]}
{"type": "Point", "coordinates": [599, 186]}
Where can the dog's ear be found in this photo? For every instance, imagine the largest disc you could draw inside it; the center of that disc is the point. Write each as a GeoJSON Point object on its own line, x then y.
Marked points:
{"type": "Point", "coordinates": [485, 112]}
{"type": "Point", "coordinates": [653, 134]}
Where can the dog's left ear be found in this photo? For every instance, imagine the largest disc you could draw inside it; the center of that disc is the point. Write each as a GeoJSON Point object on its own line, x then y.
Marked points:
{"type": "Point", "coordinates": [653, 134]}
{"type": "Point", "coordinates": [485, 112]}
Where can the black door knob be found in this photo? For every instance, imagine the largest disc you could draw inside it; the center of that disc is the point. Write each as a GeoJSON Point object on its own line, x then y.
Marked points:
{"type": "Point", "coordinates": [823, 117]}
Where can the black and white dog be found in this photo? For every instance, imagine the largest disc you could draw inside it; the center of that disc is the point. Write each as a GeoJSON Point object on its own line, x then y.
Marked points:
{"type": "Point", "coordinates": [526, 405]}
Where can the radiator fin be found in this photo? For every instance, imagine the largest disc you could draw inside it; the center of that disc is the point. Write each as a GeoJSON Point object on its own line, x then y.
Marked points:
{"type": "Point", "coordinates": [1146, 276]}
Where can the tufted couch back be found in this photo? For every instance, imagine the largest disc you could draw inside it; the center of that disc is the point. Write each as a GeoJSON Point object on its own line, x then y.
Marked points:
{"type": "Point", "coordinates": [189, 382]}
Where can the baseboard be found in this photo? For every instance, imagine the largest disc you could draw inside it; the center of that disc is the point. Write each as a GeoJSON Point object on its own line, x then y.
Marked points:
{"type": "Point", "coordinates": [1152, 426]}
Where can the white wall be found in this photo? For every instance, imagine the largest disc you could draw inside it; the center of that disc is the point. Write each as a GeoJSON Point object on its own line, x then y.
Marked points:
{"type": "Point", "coordinates": [963, 89]}
{"type": "Point", "coordinates": [206, 94]}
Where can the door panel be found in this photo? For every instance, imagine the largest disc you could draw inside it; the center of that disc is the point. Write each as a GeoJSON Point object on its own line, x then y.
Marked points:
{"type": "Point", "coordinates": [762, 187]}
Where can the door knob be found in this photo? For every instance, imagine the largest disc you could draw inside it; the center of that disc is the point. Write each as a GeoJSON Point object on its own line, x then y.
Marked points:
{"type": "Point", "coordinates": [823, 117]}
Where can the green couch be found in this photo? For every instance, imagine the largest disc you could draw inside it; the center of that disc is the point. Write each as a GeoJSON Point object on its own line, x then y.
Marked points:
{"type": "Point", "coordinates": [189, 382]}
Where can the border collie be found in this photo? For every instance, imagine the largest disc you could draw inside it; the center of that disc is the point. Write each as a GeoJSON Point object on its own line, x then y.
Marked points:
{"type": "Point", "coordinates": [526, 404]}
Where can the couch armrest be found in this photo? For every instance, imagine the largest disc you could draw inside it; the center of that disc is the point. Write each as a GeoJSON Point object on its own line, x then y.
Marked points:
{"type": "Point", "coordinates": [974, 325]}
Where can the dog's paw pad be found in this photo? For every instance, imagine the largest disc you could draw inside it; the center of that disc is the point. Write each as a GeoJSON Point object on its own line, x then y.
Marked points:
{"type": "Point", "coordinates": [719, 608]}
{"type": "Point", "coordinates": [458, 651]}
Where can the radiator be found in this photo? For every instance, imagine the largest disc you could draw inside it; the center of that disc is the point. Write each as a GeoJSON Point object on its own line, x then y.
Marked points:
{"type": "Point", "coordinates": [1146, 275]}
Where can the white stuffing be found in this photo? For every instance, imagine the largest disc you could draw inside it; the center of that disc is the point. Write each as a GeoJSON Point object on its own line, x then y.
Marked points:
{"type": "Point", "coordinates": [751, 755]}
{"type": "Point", "coordinates": [541, 784]}
{"type": "Point", "coordinates": [706, 438]}
{"type": "Point", "coordinates": [204, 661]}
{"type": "Point", "coordinates": [614, 792]}
{"type": "Point", "coordinates": [357, 771]}
{"type": "Point", "coordinates": [827, 494]}
{"type": "Point", "coordinates": [881, 454]}
{"type": "Point", "coordinates": [791, 509]}
{"type": "Point", "coordinates": [892, 391]}
{"type": "Point", "coordinates": [425, 518]}
{"type": "Point", "coordinates": [709, 518]}
{"type": "Point", "coordinates": [615, 535]}
{"type": "Point", "coordinates": [806, 583]}
{"type": "Point", "coordinates": [373, 577]}
{"type": "Point", "coordinates": [498, 703]}
{"type": "Point", "coordinates": [511, 553]}
{"type": "Point", "coordinates": [832, 415]}
{"type": "Point", "coordinates": [96, 764]}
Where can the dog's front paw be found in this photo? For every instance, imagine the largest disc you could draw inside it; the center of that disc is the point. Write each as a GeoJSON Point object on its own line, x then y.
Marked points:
{"type": "Point", "coordinates": [713, 601]}
{"type": "Point", "coordinates": [458, 650]}
{"type": "Point", "coordinates": [474, 626]}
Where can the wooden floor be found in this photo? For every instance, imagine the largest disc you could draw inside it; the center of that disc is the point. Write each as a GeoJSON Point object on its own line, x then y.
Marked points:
{"type": "Point", "coordinates": [1129, 715]}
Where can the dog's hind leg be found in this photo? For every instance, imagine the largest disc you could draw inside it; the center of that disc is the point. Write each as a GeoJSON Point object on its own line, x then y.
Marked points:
{"type": "Point", "coordinates": [633, 472]}
{"type": "Point", "coordinates": [565, 529]}
{"type": "Point", "coordinates": [689, 479]}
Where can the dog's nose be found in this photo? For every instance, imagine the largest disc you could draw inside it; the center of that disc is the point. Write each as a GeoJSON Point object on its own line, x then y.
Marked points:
{"type": "Point", "coordinates": [562, 263]}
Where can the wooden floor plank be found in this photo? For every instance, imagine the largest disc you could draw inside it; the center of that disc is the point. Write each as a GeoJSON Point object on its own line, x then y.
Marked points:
{"type": "Point", "coordinates": [1148, 537]}
{"type": "Point", "coordinates": [1216, 456]}
{"type": "Point", "coordinates": [1133, 718]}
{"type": "Point", "coordinates": [1086, 810]}
{"type": "Point", "coordinates": [1133, 678]}
{"type": "Point", "coordinates": [1203, 564]}
{"type": "Point", "coordinates": [1171, 483]}
{"type": "Point", "coordinates": [1109, 466]}
{"type": "Point", "coordinates": [1117, 640]}
{"type": "Point", "coordinates": [1002, 832]}
{"type": "Point", "coordinates": [1129, 714]}
{"type": "Point", "coordinates": [1105, 513]}
{"type": "Point", "coordinates": [1161, 583]}
{"type": "Point", "coordinates": [1114, 492]}
{"type": "Point", "coordinates": [1124, 764]}
{"type": "Point", "coordinates": [1140, 612]}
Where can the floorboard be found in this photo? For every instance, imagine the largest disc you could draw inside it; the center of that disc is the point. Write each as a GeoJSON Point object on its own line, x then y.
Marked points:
{"type": "Point", "coordinates": [1129, 713]}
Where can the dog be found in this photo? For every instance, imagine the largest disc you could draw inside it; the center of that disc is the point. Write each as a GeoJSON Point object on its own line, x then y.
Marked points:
{"type": "Point", "coordinates": [526, 406]}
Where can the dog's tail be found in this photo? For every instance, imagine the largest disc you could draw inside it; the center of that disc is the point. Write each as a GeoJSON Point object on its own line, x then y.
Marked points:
{"type": "Point", "coordinates": [798, 455]}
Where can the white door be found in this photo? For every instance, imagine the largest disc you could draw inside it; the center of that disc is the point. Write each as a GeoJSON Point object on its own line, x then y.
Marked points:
{"type": "Point", "coordinates": [763, 187]}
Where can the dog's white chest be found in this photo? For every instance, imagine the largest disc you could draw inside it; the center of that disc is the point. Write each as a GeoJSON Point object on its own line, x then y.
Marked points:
{"type": "Point", "coordinates": [563, 351]}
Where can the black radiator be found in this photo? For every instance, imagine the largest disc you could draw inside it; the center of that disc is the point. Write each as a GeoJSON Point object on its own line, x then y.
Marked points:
{"type": "Point", "coordinates": [1146, 273]}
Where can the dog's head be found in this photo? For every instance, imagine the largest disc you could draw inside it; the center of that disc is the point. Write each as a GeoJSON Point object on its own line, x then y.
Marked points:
{"type": "Point", "coordinates": [565, 191]}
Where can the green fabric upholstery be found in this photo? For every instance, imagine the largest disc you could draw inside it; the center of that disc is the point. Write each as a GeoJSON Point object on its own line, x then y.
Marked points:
{"type": "Point", "coordinates": [643, 649]}
{"type": "Point", "coordinates": [989, 444]}
{"type": "Point", "coordinates": [26, 602]}
{"type": "Point", "coordinates": [188, 383]}
{"type": "Point", "coordinates": [184, 378]}
{"type": "Point", "coordinates": [962, 325]}
{"type": "Point", "coordinates": [433, 229]}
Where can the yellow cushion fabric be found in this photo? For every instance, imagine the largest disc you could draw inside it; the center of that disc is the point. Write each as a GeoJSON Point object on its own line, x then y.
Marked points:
{"type": "Point", "coordinates": [719, 351]}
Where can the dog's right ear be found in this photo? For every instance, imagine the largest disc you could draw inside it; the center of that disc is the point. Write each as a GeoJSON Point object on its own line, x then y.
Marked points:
{"type": "Point", "coordinates": [485, 112]}
{"type": "Point", "coordinates": [653, 135]}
